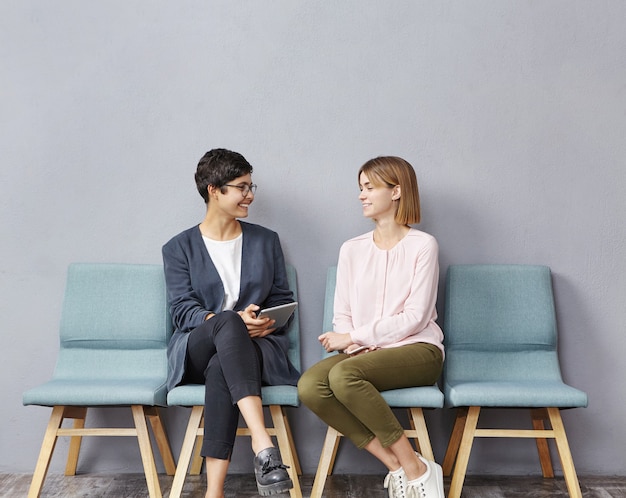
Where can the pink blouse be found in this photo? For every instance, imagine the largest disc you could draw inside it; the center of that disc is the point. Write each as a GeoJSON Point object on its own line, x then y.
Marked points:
{"type": "Point", "coordinates": [387, 298]}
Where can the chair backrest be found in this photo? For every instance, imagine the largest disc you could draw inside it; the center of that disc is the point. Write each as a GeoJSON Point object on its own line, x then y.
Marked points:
{"type": "Point", "coordinates": [114, 322]}
{"type": "Point", "coordinates": [329, 298]}
{"type": "Point", "coordinates": [293, 330]}
{"type": "Point", "coordinates": [500, 323]}
{"type": "Point", "coordinates": [329, 304]}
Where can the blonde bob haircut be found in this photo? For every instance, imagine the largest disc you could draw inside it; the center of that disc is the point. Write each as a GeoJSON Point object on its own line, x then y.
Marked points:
{"type": "Point", "coordinates": [389, 171]}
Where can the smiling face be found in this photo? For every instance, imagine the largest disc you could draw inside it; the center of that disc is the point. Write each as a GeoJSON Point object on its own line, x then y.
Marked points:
{"type": "Point", "coordinates": [230, 200]}
{"type": "Point", "coordinates": [378, 200]}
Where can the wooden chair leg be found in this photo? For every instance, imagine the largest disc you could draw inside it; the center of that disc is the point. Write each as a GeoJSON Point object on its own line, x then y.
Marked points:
{"type": "Point", "coordinates": [327, 461]}
{"type": "Point", "coordinates": [185, 452]}
{"type": "Point", "coordinates": [455, 441]}
{"type": "Point", "coordinates": [292, 445]}
{"type": "Point", "coordinates": [79, 414]}
{"type": "Point", "coordinates": [196, 460]}
{"type": "Point", "coordinates": [539, 415]}
{"type": "Point", "coordinates": [45, 454]}
{"type": "Point", "coordinates": [465, 447]}
{"type": "Point", "coordinates": [145, 448]}
{"type": "Point", "coordinates": [161, 439]}
{"type": "Point", "coordinates": [418, 424]}
{"type": "Point", "coordinates": [567, 463]}
{"type": "Point", "coordinates": [285, 445]}
{"type": "Point", "coordinates": [412, 433]}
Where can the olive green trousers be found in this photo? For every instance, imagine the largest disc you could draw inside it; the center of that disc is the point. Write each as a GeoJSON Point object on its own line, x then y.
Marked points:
{"type": "Point", "coordinates": [344, 391]}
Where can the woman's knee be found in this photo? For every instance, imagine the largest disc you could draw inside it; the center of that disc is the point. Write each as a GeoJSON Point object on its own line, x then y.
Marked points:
{"type": "Point", "coordinates": [229, 318]}
{"type": "Point", "coordinates": [313, 388]}
{"type": "Point", "coordinates": [308, 387]}
{"type": "Point", "coordinates": [229, 326]}
{"type": "Point", "coordinates": [343, 378]}
{"type": "Point", "coordinates": [224, 321]}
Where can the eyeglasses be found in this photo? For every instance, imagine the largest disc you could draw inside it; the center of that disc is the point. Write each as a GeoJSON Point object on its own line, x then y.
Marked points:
{"type": "Point", "coordinates": [245, 189]}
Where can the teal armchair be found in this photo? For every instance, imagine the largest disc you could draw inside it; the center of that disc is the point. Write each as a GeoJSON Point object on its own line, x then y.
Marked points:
{"type": "Point", "coordinates": [113, 340]}
{"type": "Point", "coordinates": [501, 352]}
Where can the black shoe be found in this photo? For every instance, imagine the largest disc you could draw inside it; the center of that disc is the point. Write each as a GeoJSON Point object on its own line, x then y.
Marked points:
{"type": "Point", "coordinates": [271, 475]}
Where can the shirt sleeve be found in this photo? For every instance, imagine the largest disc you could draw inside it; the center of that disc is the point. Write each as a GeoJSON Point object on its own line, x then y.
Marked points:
{"type": "Point", "coordinates": [342, 311]}
{"type": "Point", "coordinates": [185, 305]}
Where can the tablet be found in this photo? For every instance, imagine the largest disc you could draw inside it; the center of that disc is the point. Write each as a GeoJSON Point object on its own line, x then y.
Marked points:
{"type": "Point", "coordinates": [279, 313]}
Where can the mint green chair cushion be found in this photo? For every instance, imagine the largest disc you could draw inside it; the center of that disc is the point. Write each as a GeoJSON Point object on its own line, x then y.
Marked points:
{"type": "Point", "coordinates": [501, 339]}
{"type": "Point", "coordinates": [113, 338]}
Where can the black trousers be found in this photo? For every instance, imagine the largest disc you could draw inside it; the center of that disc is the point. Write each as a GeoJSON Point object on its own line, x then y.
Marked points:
{"type": "Point", "coordinates": [222, 356]}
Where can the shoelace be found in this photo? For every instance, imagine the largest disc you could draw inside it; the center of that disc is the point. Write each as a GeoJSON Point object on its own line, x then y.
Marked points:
{"type": "Point", "coordinates": [269, 466]}
{"type": "Point", "coordinates": [396, 485]}
{"type": "Point", "coordinates": [416, 491]}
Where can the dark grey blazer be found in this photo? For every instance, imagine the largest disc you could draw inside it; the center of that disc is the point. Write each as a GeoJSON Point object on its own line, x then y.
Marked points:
{"type": "Point", "coordinates": [194, 289]}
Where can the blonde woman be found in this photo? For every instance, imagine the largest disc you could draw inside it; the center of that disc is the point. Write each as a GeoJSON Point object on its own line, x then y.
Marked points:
{"type": "Point", "coordinates": [384, 329]}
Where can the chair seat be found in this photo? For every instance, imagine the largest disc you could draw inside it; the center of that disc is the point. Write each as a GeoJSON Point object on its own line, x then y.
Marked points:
{"type": "Point", "coordinates": [533, 394]}
{"type": "Point", "coordinates": [193, 395]}
{"type": "Point", "coordinates": [280, 395]}
{"type": "Point", "coordinates": [98, 392]}
{"type": "Point", "coordinates": [424, 397]}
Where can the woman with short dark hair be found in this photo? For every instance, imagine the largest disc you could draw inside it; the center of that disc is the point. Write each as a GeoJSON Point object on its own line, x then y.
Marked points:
{"type": "Point", "coordinates": [218, 275]}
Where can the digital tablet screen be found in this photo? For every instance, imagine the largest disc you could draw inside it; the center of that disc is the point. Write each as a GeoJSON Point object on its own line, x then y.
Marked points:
{"type": "Point", "coordinates": [279, 313]}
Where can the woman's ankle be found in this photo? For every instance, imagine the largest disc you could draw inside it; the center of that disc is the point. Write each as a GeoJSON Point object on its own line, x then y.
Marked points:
{"type": "Point", "coordinates": [415, 471]}
{"type": "Point", "coordinates": [261, 443]}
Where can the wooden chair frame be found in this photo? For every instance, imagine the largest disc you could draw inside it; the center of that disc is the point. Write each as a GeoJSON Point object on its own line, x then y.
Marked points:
{"type": "Point", "coordinates": [192, 444]}
{"type": "Point", "coordinates": [117, 313]}
{"type": "Point", "coordinates": [466, 429]}
{"type": "Point", "coordinates": [76, 433]}
{"type": "Point", "coordinates": [418, 432]}
{"type": "Point", "coordinates": [501, 339]}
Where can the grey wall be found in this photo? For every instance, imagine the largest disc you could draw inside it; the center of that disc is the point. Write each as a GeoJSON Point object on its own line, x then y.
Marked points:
{"type": "Point", "coordinates": [513, 114]}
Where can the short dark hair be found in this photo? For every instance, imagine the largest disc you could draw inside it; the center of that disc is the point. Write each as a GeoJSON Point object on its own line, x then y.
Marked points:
{"type": "Point", "coordinates": [218, 167]}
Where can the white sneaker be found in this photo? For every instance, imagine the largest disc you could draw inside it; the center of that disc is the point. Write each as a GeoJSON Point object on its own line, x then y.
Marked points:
{"type": "Point", "coordinates": [429, 484]}
{"type": "Point", "coordinates": [395, 483]}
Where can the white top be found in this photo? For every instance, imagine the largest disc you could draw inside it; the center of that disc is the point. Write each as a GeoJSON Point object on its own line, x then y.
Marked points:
{"type": "Point", "coordinates": [387, 298]}
{"type": "Point", "coordinates": [226, 256]}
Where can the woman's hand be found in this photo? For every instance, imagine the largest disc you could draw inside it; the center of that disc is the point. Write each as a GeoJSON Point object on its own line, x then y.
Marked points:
{"type": "Point", "coordinates": [334, 341]}
{"type": "Point", "coordinates": [257, 327]}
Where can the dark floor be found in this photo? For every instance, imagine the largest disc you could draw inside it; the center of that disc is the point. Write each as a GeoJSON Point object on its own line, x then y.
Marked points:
{"type": "Point", "coordinates": [344, 486]}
